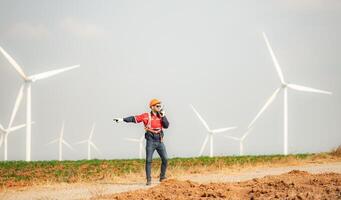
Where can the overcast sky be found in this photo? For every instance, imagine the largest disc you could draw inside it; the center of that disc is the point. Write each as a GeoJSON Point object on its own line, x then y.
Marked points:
{"type": "Point", "coordinates": [207, 53]}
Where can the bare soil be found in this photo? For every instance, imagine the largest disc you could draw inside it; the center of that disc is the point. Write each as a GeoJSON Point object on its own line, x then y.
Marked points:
{"type": "Point", "coordinates": [293, 185]}
{"type": "Point", "coordinates": [320, 181]}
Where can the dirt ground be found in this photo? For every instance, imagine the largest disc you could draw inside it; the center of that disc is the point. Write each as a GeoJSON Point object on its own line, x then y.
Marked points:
{"type": "Point", "coordinates": [258, 183]}
{"type": "Point", "coordinates": [293, 185]}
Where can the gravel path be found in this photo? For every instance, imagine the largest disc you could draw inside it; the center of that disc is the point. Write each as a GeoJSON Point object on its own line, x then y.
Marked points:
{"type": "Point", "coordinates": [85, 191]}
{"type": "Point", "coordinates": [261, 172]}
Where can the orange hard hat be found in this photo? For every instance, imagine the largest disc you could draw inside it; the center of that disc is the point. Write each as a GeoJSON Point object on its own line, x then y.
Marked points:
{"type": "Point", "coordinates": [153, 102]}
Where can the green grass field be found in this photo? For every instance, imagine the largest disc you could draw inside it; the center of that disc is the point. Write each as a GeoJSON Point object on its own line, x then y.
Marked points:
{"type": "Point", "coordinates": [21, 173]}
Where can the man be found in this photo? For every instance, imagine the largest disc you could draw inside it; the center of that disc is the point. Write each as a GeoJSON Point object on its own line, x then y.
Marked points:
{"type": "Point", "coordinates": [154, 122]}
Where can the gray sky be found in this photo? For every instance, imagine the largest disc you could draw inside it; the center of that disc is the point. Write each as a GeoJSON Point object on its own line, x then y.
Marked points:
{"type": "Point", "coordinates": [208, 53]}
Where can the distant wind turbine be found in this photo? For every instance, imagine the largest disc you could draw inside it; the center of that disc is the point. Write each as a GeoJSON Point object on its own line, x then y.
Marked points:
{"type": "Point", "coordinates": [4, 136]}
{"type": "Point", "coordinates": [211, 132]}
{"type": "Point", "coordinates": [28, 80]}
{"type": "Point", "coordinates": [61, 141]}
{"type": "Point", "coordinates": [240, 140]}
{"type": "Point", "coordinates": [6, 131]}
{"type": "Point", "coordinates": [140, 142]}
{"type": "Point", "coordinates": [90, 143]}
{"type": "Point", "coordinates": [283, 87]}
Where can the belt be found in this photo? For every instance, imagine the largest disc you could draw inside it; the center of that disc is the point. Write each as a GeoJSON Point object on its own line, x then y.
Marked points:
{"type": "Point", "coordinates": [153, 135]}
{"type": "Point", "coordinates": [154, 131]}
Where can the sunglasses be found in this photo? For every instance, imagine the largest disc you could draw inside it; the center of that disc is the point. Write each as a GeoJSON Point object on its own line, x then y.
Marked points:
{"type": "Point", "coordinates": [158, 106]}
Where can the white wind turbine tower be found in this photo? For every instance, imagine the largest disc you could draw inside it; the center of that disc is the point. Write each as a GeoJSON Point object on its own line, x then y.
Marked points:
{"type": "Point", "coordinates": [210, 134]}
{"type": "Point", "coordinates": [283, 87]}
{"type": "Point", "coordinates": [140, 142]}
{"type": "Point", "coordinates": [28, 80]}
{"type": "Point", "coordinates": [61, 141]}
{"type": "Point", "coordinates": [90, 143]}
{"type": "Point", "coordinates": [6, 131]}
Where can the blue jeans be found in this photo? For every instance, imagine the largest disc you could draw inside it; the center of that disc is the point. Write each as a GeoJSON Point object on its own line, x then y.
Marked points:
{"type": "Point", "coordinates": [151, 146]}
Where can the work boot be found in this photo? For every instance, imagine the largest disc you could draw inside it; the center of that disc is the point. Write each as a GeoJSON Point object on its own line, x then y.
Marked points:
{"type": "Point", "coordinates": [149, 182]}
{"type": "Point", "coordinates": [162, 179]}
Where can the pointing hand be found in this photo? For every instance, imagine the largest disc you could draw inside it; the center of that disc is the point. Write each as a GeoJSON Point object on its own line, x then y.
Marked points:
{"type": "Point", "coordinates": [118, 120]}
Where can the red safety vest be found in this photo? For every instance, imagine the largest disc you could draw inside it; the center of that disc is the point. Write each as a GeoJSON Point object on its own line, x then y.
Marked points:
{"type": "Point", "coordinates": [152, 123]}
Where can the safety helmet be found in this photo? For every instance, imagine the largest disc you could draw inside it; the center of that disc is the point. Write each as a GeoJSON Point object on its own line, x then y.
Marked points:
{"type": "Point", "coordinates": [153, 102]}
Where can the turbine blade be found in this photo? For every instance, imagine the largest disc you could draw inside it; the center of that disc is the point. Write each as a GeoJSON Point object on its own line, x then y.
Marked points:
{"type": "Point", "coordinates": [53, 141]}
{"type": "Point", "coordinates": [92, 131]}
{"type": "Point", "coordinates": [17, 127]}
{"type": "Point", "coordinates": [233, 138]}
{"type": "Point", "coordinates": [13, 63]}
{"type": "Point", "coordinates": [51, 73]}
{"type": "Point", "coordinates": [132, 139]}
{"type": "Point", "coordinates": [2, 128]}
{"type": "Point", "coordinates": [308, 89]}
{"type": "Point", "coordinates": [68, 145]}
{"type": "Point", "coordinates": [220, 130]}
{"type": "Point", "coordinates": [200, 118]}
{"type": "Point", "coordinates": [95, 147]}
{"type": "Point", "coordinates": [81, 142]}
{"type": "Point", "coordinates": [269, 101]}
{"type": "Point", "coordinates": [203, 145]}
{"type": "Point", "coordinates": [16, 105]}
{"type": "Point", "coordinates": [274, 59]}
{"type": "Point", "coordinates": [62, 130]}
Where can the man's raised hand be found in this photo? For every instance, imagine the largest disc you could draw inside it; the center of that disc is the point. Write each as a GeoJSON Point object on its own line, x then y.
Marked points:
{"type": "Point", "coordinates": [162, 113]}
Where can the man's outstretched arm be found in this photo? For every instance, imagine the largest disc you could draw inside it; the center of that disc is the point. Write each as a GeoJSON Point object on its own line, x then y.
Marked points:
{"type": "Point", "coordinates": [130, 119]}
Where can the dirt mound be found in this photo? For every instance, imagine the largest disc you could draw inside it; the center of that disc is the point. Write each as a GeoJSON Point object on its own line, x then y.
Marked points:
{"type": "Point", "coordinates": [298, 173]}
{"type": "Point", "coordinates": [293, 185]}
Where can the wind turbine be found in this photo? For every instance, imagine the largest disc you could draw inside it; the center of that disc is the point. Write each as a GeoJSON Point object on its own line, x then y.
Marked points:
{"type": "Point", "coordinates": [90, 143]}
{"type": "Point", "coordinates": [240, 140]}
{"type": "Point", "coordinates": [283, 87]}
{"type": "Point", "coordinates": [210, 131]}
{"type": "Point", "coordinates": [140, 142]}
{"type": "Point", "coordinates": [4, 136]}
{"type": "Point", "coordinates": [28, 80]}
{"type": "Point", "coordinates": [61, 141]}
{"type": "Point", "coordinates": [6, 131]}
